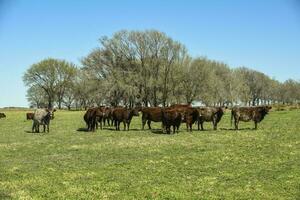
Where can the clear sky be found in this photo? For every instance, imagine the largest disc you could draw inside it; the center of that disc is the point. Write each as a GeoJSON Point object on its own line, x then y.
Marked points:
{"type": "Point", "coordinates": [260, 34]}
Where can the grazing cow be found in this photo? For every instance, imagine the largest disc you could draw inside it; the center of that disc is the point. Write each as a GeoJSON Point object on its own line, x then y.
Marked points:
{"type": "Point", "coordinates": [2, 115]}
{"type": "Point", "coordinates": [29, 116]}
{"type": "Point", "coordinates": [246, 114]}
{"type": "Point", "coordinates": [151, 114]}
{"type": "Point", "coordinates": [191, 115]}
{"type": "Point", "coordinates": [124, 115]}
{"type": "Point", "coordinates": [91, 117]}
{"type": "Point", "coordinates": [171, 117]}
{"type": "Point", "coordinates": [42, 117]}
{"type": "Point", "coordinates": [210, 114]}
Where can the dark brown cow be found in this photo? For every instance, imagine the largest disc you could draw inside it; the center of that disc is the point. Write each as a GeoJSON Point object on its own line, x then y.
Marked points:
{"type": "Point", "coordinates": [107, 116]}
{"type": "Point", "coordinates": [2, 115]}
{"type": "Point", "coordinates": [210, 114]}
{"type": "Point", "coordinates": [180, 106]}
{"type": "Point", "coordinates": [246, 114]}
{"type": "Point", "coordinates": [29, 116]}
{"type": "Point", "coordinates": [171, 117]}
{"type": "Point", "coordinates": [151, 114]}
{"type": "Point", "coordinates": [123, 115]}
{"type": "Point", "coordinates": [191, 115]}
{"type": "Point", "coordinates": [91, 117]}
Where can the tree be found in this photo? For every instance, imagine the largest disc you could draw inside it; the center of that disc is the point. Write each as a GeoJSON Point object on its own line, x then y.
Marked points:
{"type": "Point", "coordinates": [52, 76]}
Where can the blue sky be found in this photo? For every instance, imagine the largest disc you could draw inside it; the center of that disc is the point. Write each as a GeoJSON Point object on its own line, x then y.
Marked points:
{"type": "Point", "coordinates": [262, 35]}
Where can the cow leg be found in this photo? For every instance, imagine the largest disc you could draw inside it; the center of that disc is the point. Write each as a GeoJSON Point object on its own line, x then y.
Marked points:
{"type": "Point", "coordinates": [149, 124]}
{"type": "Point", "coordinates": [124, 123]}
{"type": "Point", "coordinates": [202, 129]}
{"type": "Point", "coordinates": [168, 129]}
{"type": "Point", "coordinates": [143, 123]}
{"type": "Point", "coordinates": [215, 125]}
{"type": "Point", "coordinates": [48, 128]}
{"type": "Point", "coordinates": [174, 129]}
{"type": "Point", "coordinates": [187, 126]}
{"type": "Point", "coordinates": [44, 126]}
{"type": "Point", "coordinates": [108, 122]}
{"type": "Point", "coordinates": [33, 127]}
{"type": "Point", "coordinates": [38, 128]}
{"type": "Point", "coordinates": [101, 124]}
{"type": "Point", "coordinates": [128, 124]}
{"type": "Point", "coordinates": [116, 125]}
{"type": "Point", "coordinates": [191, 127]}
{"type": "Point", "coordinates": [198, 125]}
{"type": "Point", "coordinates": [255, 125]}
{"type": "Point", "coordinates": [236, 124]}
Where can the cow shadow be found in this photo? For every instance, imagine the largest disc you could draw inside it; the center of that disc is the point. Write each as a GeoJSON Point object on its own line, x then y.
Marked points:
{"type": "Point", "coordinates": [233, 129]}
{"type": "Point", "coordinates": [157, 131]}
{"type": "Point", "coordinates": [82, 130]}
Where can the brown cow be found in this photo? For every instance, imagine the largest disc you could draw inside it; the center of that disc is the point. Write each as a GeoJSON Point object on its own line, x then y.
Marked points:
{"type": "Point", "coordinates": [246, 114]}
{"type": "Point", "coordinates": [123, 115]}
{"type": "Point", "coordinates": [91, 117]}
{"type": "Point", "coordinates": [2, 115]}
{"type": "Point", "coordinates": [191, 115]}
{"type": "Point", "coordinates": [171, 117]}
{"type": "Point", "coordinates": [151, 114]}
{"type": "Point", "coordinates": [29, 116]}
{"type": "Point", "coordinates": [210, 114]}
{"type": "Point", "coordinates": [107, 116]}
{"type": "Point", "coordinates": [180, 106]}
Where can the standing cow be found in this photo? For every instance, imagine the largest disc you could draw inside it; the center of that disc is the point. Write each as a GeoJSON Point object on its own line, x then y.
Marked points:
{"type": "Point", "coordinates": [29, 116]}
{"type": "Point", "coordinates": [42, 117]}
{"type": "Point", "coordinates": [107, 116]}
{"type": "Point", "coordinates": [246, 114]}
{"type": "Point", "coordinates": [151, 114]}
{"type": "Point", "coordinates": [210, 114]}
{"type": "Point", "coordinates": [92, 117]}
{"type": "Point", "coordinates": [124, 115]}
{"type": "Point", "coordinates": [2, 115]}
{"type": "Point", "coordinates": [191, 115]}
{"type": "Point", "coordinates": [171, 117]}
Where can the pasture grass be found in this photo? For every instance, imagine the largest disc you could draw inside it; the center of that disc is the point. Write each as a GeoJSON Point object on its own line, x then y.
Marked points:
{"type": "Point", "coordinates": [223, 164]}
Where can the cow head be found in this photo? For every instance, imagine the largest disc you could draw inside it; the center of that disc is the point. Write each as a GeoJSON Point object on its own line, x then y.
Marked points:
{"type": "Point", "coordinates": [51, 112]}
{"type": "Point", "coordinates": [267, 109]}
{"type": "Point", "coordinates": [136, 111]}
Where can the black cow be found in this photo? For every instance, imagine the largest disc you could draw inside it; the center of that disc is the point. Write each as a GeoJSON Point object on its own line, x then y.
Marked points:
{"type": "Point", "coordinates": [2, 115]}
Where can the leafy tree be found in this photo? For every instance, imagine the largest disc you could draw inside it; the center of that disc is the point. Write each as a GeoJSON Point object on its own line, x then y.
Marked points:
{"type": "Point", "coordinates": [52, 76]}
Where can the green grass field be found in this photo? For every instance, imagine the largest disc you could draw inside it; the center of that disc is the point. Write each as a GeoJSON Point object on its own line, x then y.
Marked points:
{"type": "Point", "coordinates": [222, 164]}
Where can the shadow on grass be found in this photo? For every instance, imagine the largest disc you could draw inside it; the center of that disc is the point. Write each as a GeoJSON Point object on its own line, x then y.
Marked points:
{"type": "Point", "coordinates": [4, 195]}
{"type": "Point", "coordinates": [158, 131]}
{"type": "Point", "coordinates": [82, 130]}
{"type": "Point", "coordinates": [233, 129]}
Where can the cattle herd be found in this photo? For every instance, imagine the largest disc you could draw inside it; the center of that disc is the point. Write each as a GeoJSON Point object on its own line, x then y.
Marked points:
{"type": "Point", "coordinates": [170, 117]}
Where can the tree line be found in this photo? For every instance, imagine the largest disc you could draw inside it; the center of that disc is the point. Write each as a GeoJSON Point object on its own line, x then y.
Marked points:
{"type": "Point", "coordinates": [148, 68]}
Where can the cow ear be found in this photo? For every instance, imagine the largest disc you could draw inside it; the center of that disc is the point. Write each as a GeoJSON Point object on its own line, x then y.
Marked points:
{"type": "Point", "coordinates": [54, 110]}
